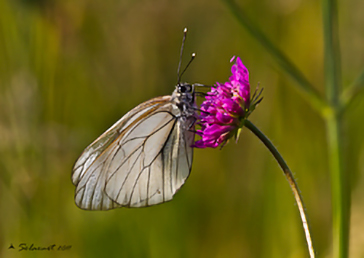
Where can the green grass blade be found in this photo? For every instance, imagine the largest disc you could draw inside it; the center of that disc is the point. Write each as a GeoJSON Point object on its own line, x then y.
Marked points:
{"type": "Point", "coordinates": [351, 93]}
{"type": "Point", "coordinates": [303, 85]}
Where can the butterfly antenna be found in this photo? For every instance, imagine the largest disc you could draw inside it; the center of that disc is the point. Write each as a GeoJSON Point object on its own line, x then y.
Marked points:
{"type": "Point", "coordinates": [180, 55]}
{"type": "Point", "coordinates": [179, 74]}
{"type": "Point", "coordinates": [192, 57]}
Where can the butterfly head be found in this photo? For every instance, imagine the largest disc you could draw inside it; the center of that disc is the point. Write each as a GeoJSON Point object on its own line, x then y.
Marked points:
{"type": "Point", "coordinates": [184, 95]}
{"type": "Point", "coordinates": [185, 88]}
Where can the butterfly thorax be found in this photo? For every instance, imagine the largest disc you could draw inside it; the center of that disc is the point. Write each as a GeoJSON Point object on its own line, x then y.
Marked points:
{"type": "Point", "coordinates": [184, 98]}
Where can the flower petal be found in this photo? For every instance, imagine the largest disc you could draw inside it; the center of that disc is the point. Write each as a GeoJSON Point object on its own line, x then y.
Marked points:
{"type": "Point", "coordinates": [225, 108]}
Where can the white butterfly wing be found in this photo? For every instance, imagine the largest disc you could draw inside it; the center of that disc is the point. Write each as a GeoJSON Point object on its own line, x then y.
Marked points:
{"type": "Point", "coordinates": [142, 160]}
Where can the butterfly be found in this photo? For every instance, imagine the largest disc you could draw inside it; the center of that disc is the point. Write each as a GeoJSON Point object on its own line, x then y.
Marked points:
{"type": "Point", "coordinates": [144, 158]}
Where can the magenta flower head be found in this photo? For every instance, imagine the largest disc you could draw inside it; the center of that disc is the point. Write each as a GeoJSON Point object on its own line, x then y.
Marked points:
{"type": "Point", "coordinates": [226, 108]}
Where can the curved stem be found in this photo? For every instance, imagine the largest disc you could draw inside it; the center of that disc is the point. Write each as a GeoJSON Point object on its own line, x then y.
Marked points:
{"type": "Point", "coordinates": [292, 183]}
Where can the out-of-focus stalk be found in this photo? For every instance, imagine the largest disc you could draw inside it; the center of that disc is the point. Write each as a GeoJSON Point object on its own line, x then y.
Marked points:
{"type": "Point", "coordinates": [340, 191]}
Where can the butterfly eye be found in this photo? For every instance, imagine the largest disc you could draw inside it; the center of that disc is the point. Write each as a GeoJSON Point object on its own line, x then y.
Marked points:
{"type": "Point", "coordinates": [185, 88]}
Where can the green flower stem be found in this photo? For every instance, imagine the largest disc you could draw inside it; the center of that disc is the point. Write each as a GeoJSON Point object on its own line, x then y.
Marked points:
{"type": "Point", "coordinates": [292, 183]}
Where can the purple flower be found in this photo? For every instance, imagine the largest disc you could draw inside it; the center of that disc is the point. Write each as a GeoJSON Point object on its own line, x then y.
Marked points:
{"type": "Point", "coordinates": [225, 108]}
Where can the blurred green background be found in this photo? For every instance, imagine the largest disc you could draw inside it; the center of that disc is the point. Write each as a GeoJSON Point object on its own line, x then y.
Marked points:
{"type": "Point", "coordinates": [70, 69]}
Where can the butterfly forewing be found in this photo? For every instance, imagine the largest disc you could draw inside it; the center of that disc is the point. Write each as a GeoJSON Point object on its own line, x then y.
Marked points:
{"type": "Point", "coordinates": [108, 137]}
{"type": "Point", "coordinates": [142, 160]}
